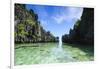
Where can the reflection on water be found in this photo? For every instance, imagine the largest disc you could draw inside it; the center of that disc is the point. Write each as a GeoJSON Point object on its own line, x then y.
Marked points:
{"type": "Point", "coordinates": [61, 55]}
{"type": "Point", "coordinates": [38, 53]}
{"type": "Point", "coordinates": [60, 44]}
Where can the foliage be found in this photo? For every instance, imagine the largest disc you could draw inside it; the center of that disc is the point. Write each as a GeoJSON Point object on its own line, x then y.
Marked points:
{"type": "Point", "coordinates": [83, 31]}
{"type": "Point", "coordinates": [28, 28]}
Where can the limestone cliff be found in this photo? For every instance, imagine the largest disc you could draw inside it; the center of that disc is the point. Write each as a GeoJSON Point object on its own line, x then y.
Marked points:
{"type": "Point", "coordinates": [27, 27]}
{"type": "Point", "coordinates": [83, 31]}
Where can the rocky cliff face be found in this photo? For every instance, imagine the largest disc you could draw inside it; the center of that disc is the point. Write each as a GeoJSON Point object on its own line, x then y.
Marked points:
{"type": "Point", "coordinates": [83, 31]}
{"type": "Point", "coordinates": [28, 28]}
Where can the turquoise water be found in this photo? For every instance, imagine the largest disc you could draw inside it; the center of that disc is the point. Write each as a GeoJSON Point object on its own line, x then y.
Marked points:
{"type": "Point", "coordinates": [46, 53]}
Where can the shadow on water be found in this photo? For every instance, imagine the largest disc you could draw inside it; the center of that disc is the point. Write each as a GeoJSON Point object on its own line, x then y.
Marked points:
{"type": "Point", "coordinates": [38, 53]}
{"type": "Point", "coordinates": [88, 49]}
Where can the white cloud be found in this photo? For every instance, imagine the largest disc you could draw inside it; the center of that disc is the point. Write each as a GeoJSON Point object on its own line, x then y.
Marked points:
{"type": "Point", "coordinates": [75, 12]}
{"type": "Point", "coordinates": [60, 14]}
{"type": "Point", "coordinates": [67, 14]}
{"type": "Point", "coordinates": [59, 18]}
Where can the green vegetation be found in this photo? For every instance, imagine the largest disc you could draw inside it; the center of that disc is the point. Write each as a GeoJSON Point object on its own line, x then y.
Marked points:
{"type": "Point", "coordinates": [28, 28]}
{"type": "Point", "coordinates": [83, 31]}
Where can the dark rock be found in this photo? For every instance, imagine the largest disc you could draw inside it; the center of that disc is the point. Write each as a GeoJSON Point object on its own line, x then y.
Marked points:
{"type": "Point", "coordinates": [83, 31]}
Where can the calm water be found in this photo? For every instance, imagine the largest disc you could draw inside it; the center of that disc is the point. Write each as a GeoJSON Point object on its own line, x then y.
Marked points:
{"type": "Point", "coordinates": [45, 53]}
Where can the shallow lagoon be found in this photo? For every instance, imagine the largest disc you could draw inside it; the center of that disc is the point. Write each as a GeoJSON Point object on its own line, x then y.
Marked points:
{"type": "Point", "coordinates": [46, 53]}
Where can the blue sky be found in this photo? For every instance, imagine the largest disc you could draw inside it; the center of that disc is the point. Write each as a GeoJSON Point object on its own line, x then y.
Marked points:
{"type": "Point", "coordinates": [57, 19]}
